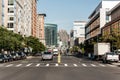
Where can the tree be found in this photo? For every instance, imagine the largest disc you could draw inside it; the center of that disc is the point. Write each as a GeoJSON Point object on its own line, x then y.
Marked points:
{"type": "Point", "coordinates": [113, 38]}
{"type": "Point", "coordinates": [9, 40]}
{"type": "Point", "coordinates": [35, 44]}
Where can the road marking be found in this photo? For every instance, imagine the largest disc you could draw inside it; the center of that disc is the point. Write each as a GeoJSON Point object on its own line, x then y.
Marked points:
{"type": "Point", "coordinates": [102, 65]}
{"type": "Point", "coordinates": [37, 65]}
{"type": "Point", "coordinates": [29, 65]}
{"type": "Point", "coordinates": [75, 65]}
{"type": "Point", "coordinates": [84, 65]}
{"type": "Point", "coordinates": [56, 65]}
{"type": "Point", "coordinates": [65, 65]}
{"type": "Point", "coordinates": [9, 65]}
{"type": "Point", "coordinates": [93, 65]}
{"type": "Point", "coordinates": [47, 64]}
{"type": "Point", "coordinates": [111, 65]}
{"type": "Point", "coordinates": [18, 65]}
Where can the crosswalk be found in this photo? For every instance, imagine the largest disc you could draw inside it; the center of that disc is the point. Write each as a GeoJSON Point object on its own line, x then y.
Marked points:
{"type": "Point", "coordinates": [56, 65]}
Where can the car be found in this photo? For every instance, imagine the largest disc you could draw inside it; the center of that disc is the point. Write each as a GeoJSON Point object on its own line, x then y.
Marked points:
{"type": "Point", "coordinates": [47, 56]}
{"type": "Point", "coordinates": [16, 56]}
{"type": "Point", "coordinates": [22, 55]}
{"type": "Point", "coordinates": [10, 57]}
{"type": "Point", "coordinates": [110, 57]}
{"type": "Point", "coordinates": [3, 58]}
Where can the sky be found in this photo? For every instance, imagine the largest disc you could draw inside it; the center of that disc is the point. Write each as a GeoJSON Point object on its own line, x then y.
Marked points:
{"type": "Point", "coordinates": [65, 12]}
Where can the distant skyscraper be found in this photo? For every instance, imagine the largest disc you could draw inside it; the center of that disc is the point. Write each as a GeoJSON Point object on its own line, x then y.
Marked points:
{"type": "Point", "coordinates": [51, 34]}
{"type": "Point", "coordinates": [64, 37]}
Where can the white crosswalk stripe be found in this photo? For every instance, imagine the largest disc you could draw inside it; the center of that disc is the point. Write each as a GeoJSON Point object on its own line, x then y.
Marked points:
{"type": "Point", "coordinates": [84, 65]}
{"type": "Point", "coordinates": [9, 65]}
{"type": "Point", "coordinates": [37, 65]}
{"type": "Point", "coordinates": [75, 65]}
{"type": "Point", "coordinates": [65, 65]}
{"type": "Point", "coordinates": [93, 65]}
{"type": "Point", "coordinates": [111, 65]}
{"type": "Point", "coordinates": [18, 65]}
{"type": "Point", "coordinates": [28, 65]}
{"type": "Point", "coordinates": [47, 65]}
{"type": "Point", "coordinates": [102, 65]}
{"type": "Point", "coordinates": [56, 65]}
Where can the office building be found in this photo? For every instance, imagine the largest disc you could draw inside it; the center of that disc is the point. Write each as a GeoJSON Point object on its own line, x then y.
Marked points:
{"type": "Point", "coordinates": [98, 19]}
{"type": "Point", "coordinates": [114, 24]}
{"type": "Point", "coordinates": [79, 32]}
{"type": "Point", "coordinates": [51, 34]}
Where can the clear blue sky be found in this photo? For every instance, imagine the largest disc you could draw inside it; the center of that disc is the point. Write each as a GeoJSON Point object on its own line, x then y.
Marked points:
{"type": "Point", "coordinates": [65, 12]}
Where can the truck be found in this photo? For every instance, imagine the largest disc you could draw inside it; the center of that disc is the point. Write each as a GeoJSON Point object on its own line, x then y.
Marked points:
{"type": "Point", "coordinates": [55, 52]}
{"type": "Point", "coordinates": [100, 49]}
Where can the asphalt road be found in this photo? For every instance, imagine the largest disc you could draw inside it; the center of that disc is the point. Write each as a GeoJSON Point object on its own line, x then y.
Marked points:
{"type": "Point", "coordinates": [71, 68]}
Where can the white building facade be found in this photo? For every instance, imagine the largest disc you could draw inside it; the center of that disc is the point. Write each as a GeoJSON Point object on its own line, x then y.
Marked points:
{"type": "Point", "coordinates": [99, 18]}
{"type": "Point", "coordinates": [79, 30]}
{"type": "Point", "coordinates": [17, 16]}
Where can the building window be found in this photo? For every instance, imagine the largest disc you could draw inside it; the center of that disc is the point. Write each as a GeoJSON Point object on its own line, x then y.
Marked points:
{"type": "Point", "coordinates": [11, 18]}
{"type": "Point", "coordinates": [10, 2]}
{"type": "Point", "coordinates": [107, 18]}
{"type": "Point", "coordinates": [82, 27]}
{"type": "Point", "coordinates": [10, 25]}
{"type": "Point", "coordinates": [11, 10]}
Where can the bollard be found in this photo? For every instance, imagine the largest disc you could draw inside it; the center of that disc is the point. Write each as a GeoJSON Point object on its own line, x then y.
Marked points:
{"type": "Point", "coordinates": [59, 58]}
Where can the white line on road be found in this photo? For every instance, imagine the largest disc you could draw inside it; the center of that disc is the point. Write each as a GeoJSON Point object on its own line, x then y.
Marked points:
{"type": "Point", "coordinates": [18, 65]}
{"type": "Point", "coordinates": [75, 65]}
{"type": "Point", "coordinates": [102, 65]}
{"type": "Point", "coordinates": [84, 65]}
{"type": "Point", "coordinates": [56, 65]}
{"type": "Point", "coordinates": [47, 65]}
{"type": "Point", "coordinates": [65, 65]}
{"type": "Point", "coordinates": [29, 65]}
{"type": "Point", "coordinates": [93, 65]}
{"type": "Point", "coordinates": [111, 65]}
{"type": "Point", "coordinates": [37, 65]}
{"type": "Point", "coordinates": [9, 65]}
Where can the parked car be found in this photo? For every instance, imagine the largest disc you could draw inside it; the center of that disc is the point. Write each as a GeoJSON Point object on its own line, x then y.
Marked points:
{"type": "Point", "coordinates": [10, 57]}
{"type": "Point", "coordinates": [22, 55]}
{"type": "Point", "coordinates": [15, 56]}
{"type": "Point", "coordinates": [47, 56]}
{"type": "Point", "coordinates": [3, 58]}
{"type": "Point", "coordinates": [117, 52]}
{"type": "Point", "coordinates": [110, 57]}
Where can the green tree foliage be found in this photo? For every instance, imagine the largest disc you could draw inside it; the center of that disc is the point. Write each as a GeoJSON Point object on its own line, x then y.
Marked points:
{"type": "Point", "coordinates": [34, 44]}
{"type": "Point", "coordinates": [113, 38]}
{"type": "Point", "coordinates": [11, 41]}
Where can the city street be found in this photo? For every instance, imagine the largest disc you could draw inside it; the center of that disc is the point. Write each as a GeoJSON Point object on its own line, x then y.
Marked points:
{"type": "Point", "coordinates": [71, 68]}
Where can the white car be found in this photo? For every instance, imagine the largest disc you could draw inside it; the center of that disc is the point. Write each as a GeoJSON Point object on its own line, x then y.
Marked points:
{"type": "Point", "coordinates": [47, 56]}
{"type": "Point", "coordinates": [110, 57]}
